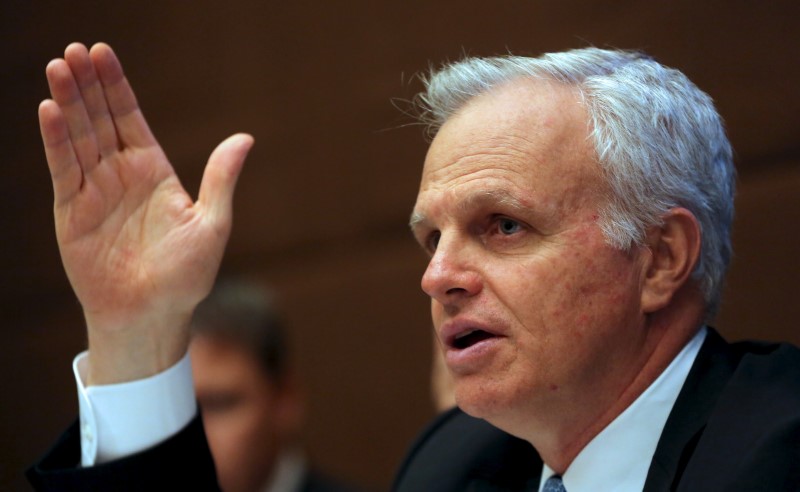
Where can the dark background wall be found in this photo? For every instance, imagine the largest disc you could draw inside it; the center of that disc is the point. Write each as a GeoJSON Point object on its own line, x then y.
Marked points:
{"type": "Point", "coordinates": [322, 206]}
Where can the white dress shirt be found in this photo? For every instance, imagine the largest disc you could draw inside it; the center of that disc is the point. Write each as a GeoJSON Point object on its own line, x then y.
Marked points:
{"type": "Point", "coordinates": [288, 474]}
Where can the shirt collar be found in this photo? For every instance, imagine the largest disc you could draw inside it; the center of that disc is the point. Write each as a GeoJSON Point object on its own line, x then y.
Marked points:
{"type": "Point", "coordinates": [288, 472]}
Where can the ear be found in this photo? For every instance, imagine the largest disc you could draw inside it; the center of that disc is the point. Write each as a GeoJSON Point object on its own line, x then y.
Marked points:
{"type": "Point", "coordinates": [675, 249]}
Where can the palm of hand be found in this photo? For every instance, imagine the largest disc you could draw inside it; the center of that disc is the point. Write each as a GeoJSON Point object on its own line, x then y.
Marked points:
{"type": "Point", "coordinates": [137, 250]}
{"type": "Point", "coordinates": [132, 235]}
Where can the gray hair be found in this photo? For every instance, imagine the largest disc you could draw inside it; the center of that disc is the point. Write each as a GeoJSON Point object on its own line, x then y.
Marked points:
{"type": "Point", "coordinates": [659, 140]}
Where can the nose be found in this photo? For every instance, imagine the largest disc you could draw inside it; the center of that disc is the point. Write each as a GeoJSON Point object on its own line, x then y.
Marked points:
{"type": "Point", "coordinates": [450, 275]}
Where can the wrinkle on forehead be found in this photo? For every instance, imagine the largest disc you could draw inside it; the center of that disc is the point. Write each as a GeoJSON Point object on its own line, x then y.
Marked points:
{"type": "Point", "coordinates": [529, 122]}
{"type": "Point", "coordinates": [529, 138]}
{"type": "Point", "coordinates": [479, 150]}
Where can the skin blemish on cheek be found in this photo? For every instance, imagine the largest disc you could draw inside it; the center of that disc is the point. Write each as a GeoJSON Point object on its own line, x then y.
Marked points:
{"type": "Point", "coordinates": [553, 387]}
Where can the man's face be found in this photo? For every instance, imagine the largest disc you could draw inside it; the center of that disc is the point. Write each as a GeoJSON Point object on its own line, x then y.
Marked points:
{"type": "Point", "coordinates": [533, 309]}
{"type": "Point", "coordinates": [246, 415]}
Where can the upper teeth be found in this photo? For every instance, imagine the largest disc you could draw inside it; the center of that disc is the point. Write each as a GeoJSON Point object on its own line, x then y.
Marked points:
{"type": "Point", "coordinates": [465, 333]}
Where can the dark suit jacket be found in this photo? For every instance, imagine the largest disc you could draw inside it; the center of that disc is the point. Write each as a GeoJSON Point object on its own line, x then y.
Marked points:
{"type": "Point", "coordinates": [734, 427]}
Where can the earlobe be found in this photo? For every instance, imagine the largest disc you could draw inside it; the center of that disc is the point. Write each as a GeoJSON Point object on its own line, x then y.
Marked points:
{"type": "Point", "coordinates": [674, 249]}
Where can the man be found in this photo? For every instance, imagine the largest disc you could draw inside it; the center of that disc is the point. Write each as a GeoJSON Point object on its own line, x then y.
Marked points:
{"type": "Point", "coordinates": [251, 404]}
{"type": "Point", "coordinates": [576, 208]}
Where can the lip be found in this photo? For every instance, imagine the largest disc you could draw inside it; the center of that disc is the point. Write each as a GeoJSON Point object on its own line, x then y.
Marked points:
{"type": "Point", "coordinates": [451, 330]}
{"type": "Point", "coordinates": [464, 360]}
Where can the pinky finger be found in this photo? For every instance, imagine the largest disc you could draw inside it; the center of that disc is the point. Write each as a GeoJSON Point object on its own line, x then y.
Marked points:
{"type": "Point", "coordinates": [65, 171]}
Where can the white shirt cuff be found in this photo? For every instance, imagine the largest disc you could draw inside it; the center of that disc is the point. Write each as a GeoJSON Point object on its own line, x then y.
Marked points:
{"type": "Point", "coordinates": [119, 420]}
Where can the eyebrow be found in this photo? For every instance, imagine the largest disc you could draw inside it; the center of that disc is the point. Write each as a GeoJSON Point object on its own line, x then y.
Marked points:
{"type": "Point", "coordinates": [476, 200]}
{"type": "Point", "coordinates": [416, 219]}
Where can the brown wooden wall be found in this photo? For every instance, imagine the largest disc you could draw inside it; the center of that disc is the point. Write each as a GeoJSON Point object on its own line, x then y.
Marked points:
{"type": "Point", "coordinates": [322, 206]}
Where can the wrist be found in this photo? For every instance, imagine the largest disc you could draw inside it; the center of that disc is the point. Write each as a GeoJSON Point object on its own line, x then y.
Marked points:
{"type": "Point", "coordinates": [127, 350]}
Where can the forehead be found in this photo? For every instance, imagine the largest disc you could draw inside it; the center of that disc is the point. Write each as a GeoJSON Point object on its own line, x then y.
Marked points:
{"type": "Point", "coordinates": [526, 138]}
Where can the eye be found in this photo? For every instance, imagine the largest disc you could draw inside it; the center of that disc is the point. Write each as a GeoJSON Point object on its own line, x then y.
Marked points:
{"type": "Point", "coordinates": [219, 402]}
{"type": "Point", "coordinates": [508, 226]}
{"type": "Point", "coordinates": [433, 240]}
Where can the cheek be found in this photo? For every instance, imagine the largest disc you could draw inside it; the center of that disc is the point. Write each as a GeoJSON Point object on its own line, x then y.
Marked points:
{"type": "Point", "coordinates": [437, 313]}
{"type": "Point", "coordinates": [230, 434]}
{"type": "Point", "coordinates": [224, 433]}
{"type": "Point", "coordinates": [600, 296]}
{"type": "Point", "coordinates": [575, 291]}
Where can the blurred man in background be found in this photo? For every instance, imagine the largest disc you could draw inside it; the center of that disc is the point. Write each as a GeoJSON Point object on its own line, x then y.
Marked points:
{"type": "Point", "coordinates": [252, 406]}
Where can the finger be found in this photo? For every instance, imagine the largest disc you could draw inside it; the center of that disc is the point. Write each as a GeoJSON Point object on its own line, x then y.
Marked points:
{"type": "Point", "coordinates": [65, 171]}
{"type": "Point", "coordinates": [128, 119]}
{"type": "Point", "coordinates": [77, 57]}
{"type": "Point", "coordinates": [220, 176]}
{"type": "Point", "coordinates": [66, 94]}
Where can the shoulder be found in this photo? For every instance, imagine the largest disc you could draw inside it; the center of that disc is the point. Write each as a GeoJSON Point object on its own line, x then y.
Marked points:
{"type": "Point", "coordinates": [761, 401]}
{"type": "Point", "coordinates": [747, 368]}
{"type": "Point", "coordinates": [456, 449]}
{"type": "Point", "coordinates": [751, 439]}
{"type": "Point", "coordinates": [767, 376]}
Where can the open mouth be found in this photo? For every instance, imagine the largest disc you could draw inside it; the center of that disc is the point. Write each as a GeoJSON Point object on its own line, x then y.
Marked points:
{"type": "Point", "coordinates": [469, 338]}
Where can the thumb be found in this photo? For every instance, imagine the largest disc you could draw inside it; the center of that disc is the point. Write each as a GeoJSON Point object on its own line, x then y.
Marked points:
{"type": "Point", "coordinates": [219, 178]}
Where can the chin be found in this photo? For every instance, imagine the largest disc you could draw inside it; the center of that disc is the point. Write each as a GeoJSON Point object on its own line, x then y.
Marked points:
{"type": "Point", "coordinates": [505, 404]}
{"type": "Point", "coordinates": [481, 399]}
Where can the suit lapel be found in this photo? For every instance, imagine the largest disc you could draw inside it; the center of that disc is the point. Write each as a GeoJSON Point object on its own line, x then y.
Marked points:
{"type": "Point", "coordinates": [710, 372]}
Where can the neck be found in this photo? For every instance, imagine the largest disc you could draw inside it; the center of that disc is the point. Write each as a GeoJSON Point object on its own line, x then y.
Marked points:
{"type": "Point", "coordinates": [560, 439]}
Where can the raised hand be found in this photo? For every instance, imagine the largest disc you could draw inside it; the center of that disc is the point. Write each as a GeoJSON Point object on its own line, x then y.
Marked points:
{"type": "Point", "coordinates": [138, 251]}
